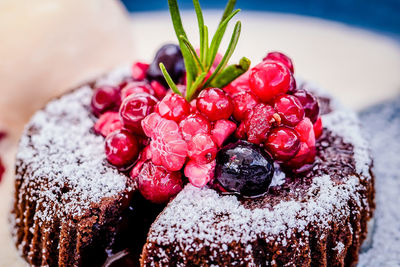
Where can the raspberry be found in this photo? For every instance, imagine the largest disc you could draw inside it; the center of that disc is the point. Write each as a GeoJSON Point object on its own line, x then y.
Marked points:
{"type": "Point", "coordinates": [150, 123]}
{"type": "Point", "coordinates": [121, 148]}
{"type": "Point", "coordinates": [258, 123]}
{"type": "Point", "coordinates": [193, 107]}
{"type": "Point", "coordinates": [310, 104]}
{"type": "Point", "coordinates": [167, 145]}
{"type": "Point", "coordinates": [242, 103]}
{"type": "Point", "coordinates": [222, 130]}
{"type": "Point", "coordinates": [157, 184]}
{"type": "Point", "coordinates": [283, 143]}
{"type": "Point", "coordinates": [107, 123]}
{"type": "Point", "coordinates": [105, 98]}
{"type": "Point", "coordinates": [239, 85]}
{"type": "Point", "coordinates": [173, 107]}
{"type": "Point", "coordinates": [139, 70]}
{"type": "Point", "coordinates": [269, 79]}
{"type": "Point", "coordinates": [289, 108]}
{"type": "Point", "coordinates": [136, 88]}
{"type": "Point", "coordinates": [194, 124]}
{"type": "Point", "coordinates": [282, 58]}
{"type": "Point", "coordinates": [201, 148]}
{"type": "Point", "coordinates": [318, 129]}
{"type": "Point", "coordinates": [134, 109]}
{"type": "Point", "coordinates": [159, 89]}
{"type": "Point", "coordinates": [199, 174]}
{"type": "Point", "coordinates": [305, 131]}
{"type": "Point", "coordinates": [215, 104]}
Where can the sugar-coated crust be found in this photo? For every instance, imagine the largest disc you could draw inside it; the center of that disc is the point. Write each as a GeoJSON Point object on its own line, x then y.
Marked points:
{"type": "Point", "coordinates": [69, 201]}
{"type": "Point", "coordinates": [317, 220]}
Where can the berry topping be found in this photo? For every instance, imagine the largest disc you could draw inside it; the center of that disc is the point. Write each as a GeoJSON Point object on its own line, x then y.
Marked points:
{"type": "Point", "coordinates": [283, 143]}
{"type": "Point", "coordinates": [201, 148]}
{"type": "Point", "coordinates": [242, 103]}
{"type": "Point", "coordinates": [303, 159]}
{"type": "Point", "coordinates": [139, 70]}
{"type": "Point", "coordinates": [144, 156]}
{"type": "Point", "coordinates": [173, 107]}
{"type": "Point", "coordinates": [159, 89]}
{"type": "Point", "coordinates": [259, 122]}
{"type": "Point", "coordinates": [240, 85]}
{"type": "Point", "coordinates": [134, 109]}
{"type": "Point", "coordinates": [289, 108]}
{"type": "Point", "coordinates": [105, 98]}
{"type": "Point", "coordinates": [150, 123]}
{"type": "Point", "coordinates": [107, 123]}
{"type": "Point", "coordinates": [157, 184]}
{"type": "Point", "coordinates": [240, 132]}
{"type": "Point", "coordinates": [194, 124]}
{"type": "Point", "coordinates": [121, 148]}
{"type": "Point", "coordinates": [222, 130]}
{"type": "Point", "coordinates": [310, 104]}
{"type": "Point", "coordinates": [170, 55]}
{"type": "Point", "coordinates": [243, 168]}
{"type": "Point", "coordinates": [167, 145]}
{"type": "Point", "coordinates": [199, 174]}
{"type": "Point", "coordinates": [305, 130]}
{"type": "Point", "coordinates": [136, 88]}
{"type": "Point", "coordinates": [269, 79]}
{"type": "Point", "coordinates": [215, 104]}
{"type": "Point", "coordinates": [318, 128]}
{"type": "Point", "coordinates": [282, 58]}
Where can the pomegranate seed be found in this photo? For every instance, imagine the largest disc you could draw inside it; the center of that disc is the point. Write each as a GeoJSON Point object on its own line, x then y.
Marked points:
{"type": "Point", "coordinates": [239, 85]}
{"type": "Point", "coordinates": [167, 145]}
{"type": "Point", "coordinates": [258, 123]}
{"type": "Point", "coordinates": [304, 157]}
{"type": "Point", "coordinates": [318, 129]}
{"type": "Point", "coordinates": [157, 184]}
{"type": "Point", "coordinates": [159, 89]}
{"type": "Point", "coordinates": [293, 85]}
{"type": "Point", "coordinates": [173, 107]}
{"type": "Point", "coordinates": [215, 104]}
{"type": "Point", "coordinates": [305, 131]}
{"type": "Point", "coordinates": [242, 103]}
{"type": "Point", "coordinates": [199, 174]}
{"type": "Point", "coordinates": [310, 104]}
{"type": "Point", "coordinates": [105, 98]}
{"type": "Point", "coordinates": [201, 148]}
{"type": "Point", "coordinates": [107, 123]}
{"type": "Point", "coordinates": [136, 88]}
{"type": "Point", "coordinates": [194, 124]}
{"type": "Point", "coordinates": [121, 148]}
{"type": "Point", "coordinates": [139, 70]}
{"type": "Point", "coordinates": [222, 130]}
{"type": "Point", "coordinates": [282, 58]}
{"type": "Point", "coordinates": [289, 108]}
{"type": "Point", "coordinates": [269, 79]}
{"type": "Point", "coordinates": [134, 109]}
{"type": "Point", "coordinates": [283, 143]}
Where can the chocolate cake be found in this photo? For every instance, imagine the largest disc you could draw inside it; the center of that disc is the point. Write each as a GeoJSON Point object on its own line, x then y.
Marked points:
{"type": "Point", "coordinates": [71, 206]}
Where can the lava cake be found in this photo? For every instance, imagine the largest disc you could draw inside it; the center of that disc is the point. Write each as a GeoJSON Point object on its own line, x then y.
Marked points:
{"type": "Point", "coordinates": [188, 161]}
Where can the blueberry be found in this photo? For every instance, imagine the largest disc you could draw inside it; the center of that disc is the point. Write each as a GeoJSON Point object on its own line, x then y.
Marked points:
{"type": "Point", "coordinates": [244, 168]}
{"type": "Point", "coordinates": [170, 55]}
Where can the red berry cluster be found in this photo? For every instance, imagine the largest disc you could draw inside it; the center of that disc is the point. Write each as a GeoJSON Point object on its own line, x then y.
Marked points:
{"type": "Point", "coordinates": [274, 114]}
{"type": "Point", "coordinates": [160, 137]}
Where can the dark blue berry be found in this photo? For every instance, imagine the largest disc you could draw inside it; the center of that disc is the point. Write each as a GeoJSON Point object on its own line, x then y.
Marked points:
{"type": "Point", "coordinates": [171, 56]}
{"type": "Point", "coordinates": [244, 168]}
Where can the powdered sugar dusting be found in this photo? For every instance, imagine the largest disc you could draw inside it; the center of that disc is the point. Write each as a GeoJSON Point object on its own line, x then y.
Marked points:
{"type": "Point", "coordinates": [66, 162]}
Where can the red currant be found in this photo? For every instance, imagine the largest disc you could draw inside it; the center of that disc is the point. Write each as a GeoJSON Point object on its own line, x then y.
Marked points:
{"type": "Point", "coordinates": [215, 104]}
{"type": "Point", "coordinates": [310, 104]}
{"type": "Point", "coordinates": [121, 148]}
{"type": "Point", "coordinates": [105, 98]}
{"type": "Point", "coordinates": [282, 143]}
{"type": "Point", "coordinates": [136, 88]}
{"type": "Point", "coordinates": [289, 108]}
{"type": "Point", "coordinates": [282, 58]}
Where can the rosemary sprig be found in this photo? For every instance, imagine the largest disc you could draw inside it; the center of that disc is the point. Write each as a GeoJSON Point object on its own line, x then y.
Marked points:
{"type": "Point", "coordinates": [197, 66]}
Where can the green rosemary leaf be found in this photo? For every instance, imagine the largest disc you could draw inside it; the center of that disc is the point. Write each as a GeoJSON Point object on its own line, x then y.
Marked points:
{"type": "Point", "coordinates": [195, 57]}
{"type": "Point", "coordinates": [169, 80]}
{"type": "Point", "coordinates": [231, 47]}
{"type": "Point", "coordinates": [200, 21]}
{"type": "Point", "coordinates": [216, 40]}
{"type": "Point", "coordinates": [228, 10]}
{"type": "Point", "coordinates": [205, 44]}
{"type": "Point", "coordinates": [197, 83]}
{"type": "Point", "coordinates": [230, 73]}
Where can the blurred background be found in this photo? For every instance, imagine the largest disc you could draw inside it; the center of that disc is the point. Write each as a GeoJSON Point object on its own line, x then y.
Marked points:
{"type": "Point", "coordinates": [349, 47]}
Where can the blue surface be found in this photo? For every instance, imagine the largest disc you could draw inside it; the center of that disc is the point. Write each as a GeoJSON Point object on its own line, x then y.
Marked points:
{"type": "Point", "coordinates": [383, 16]}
